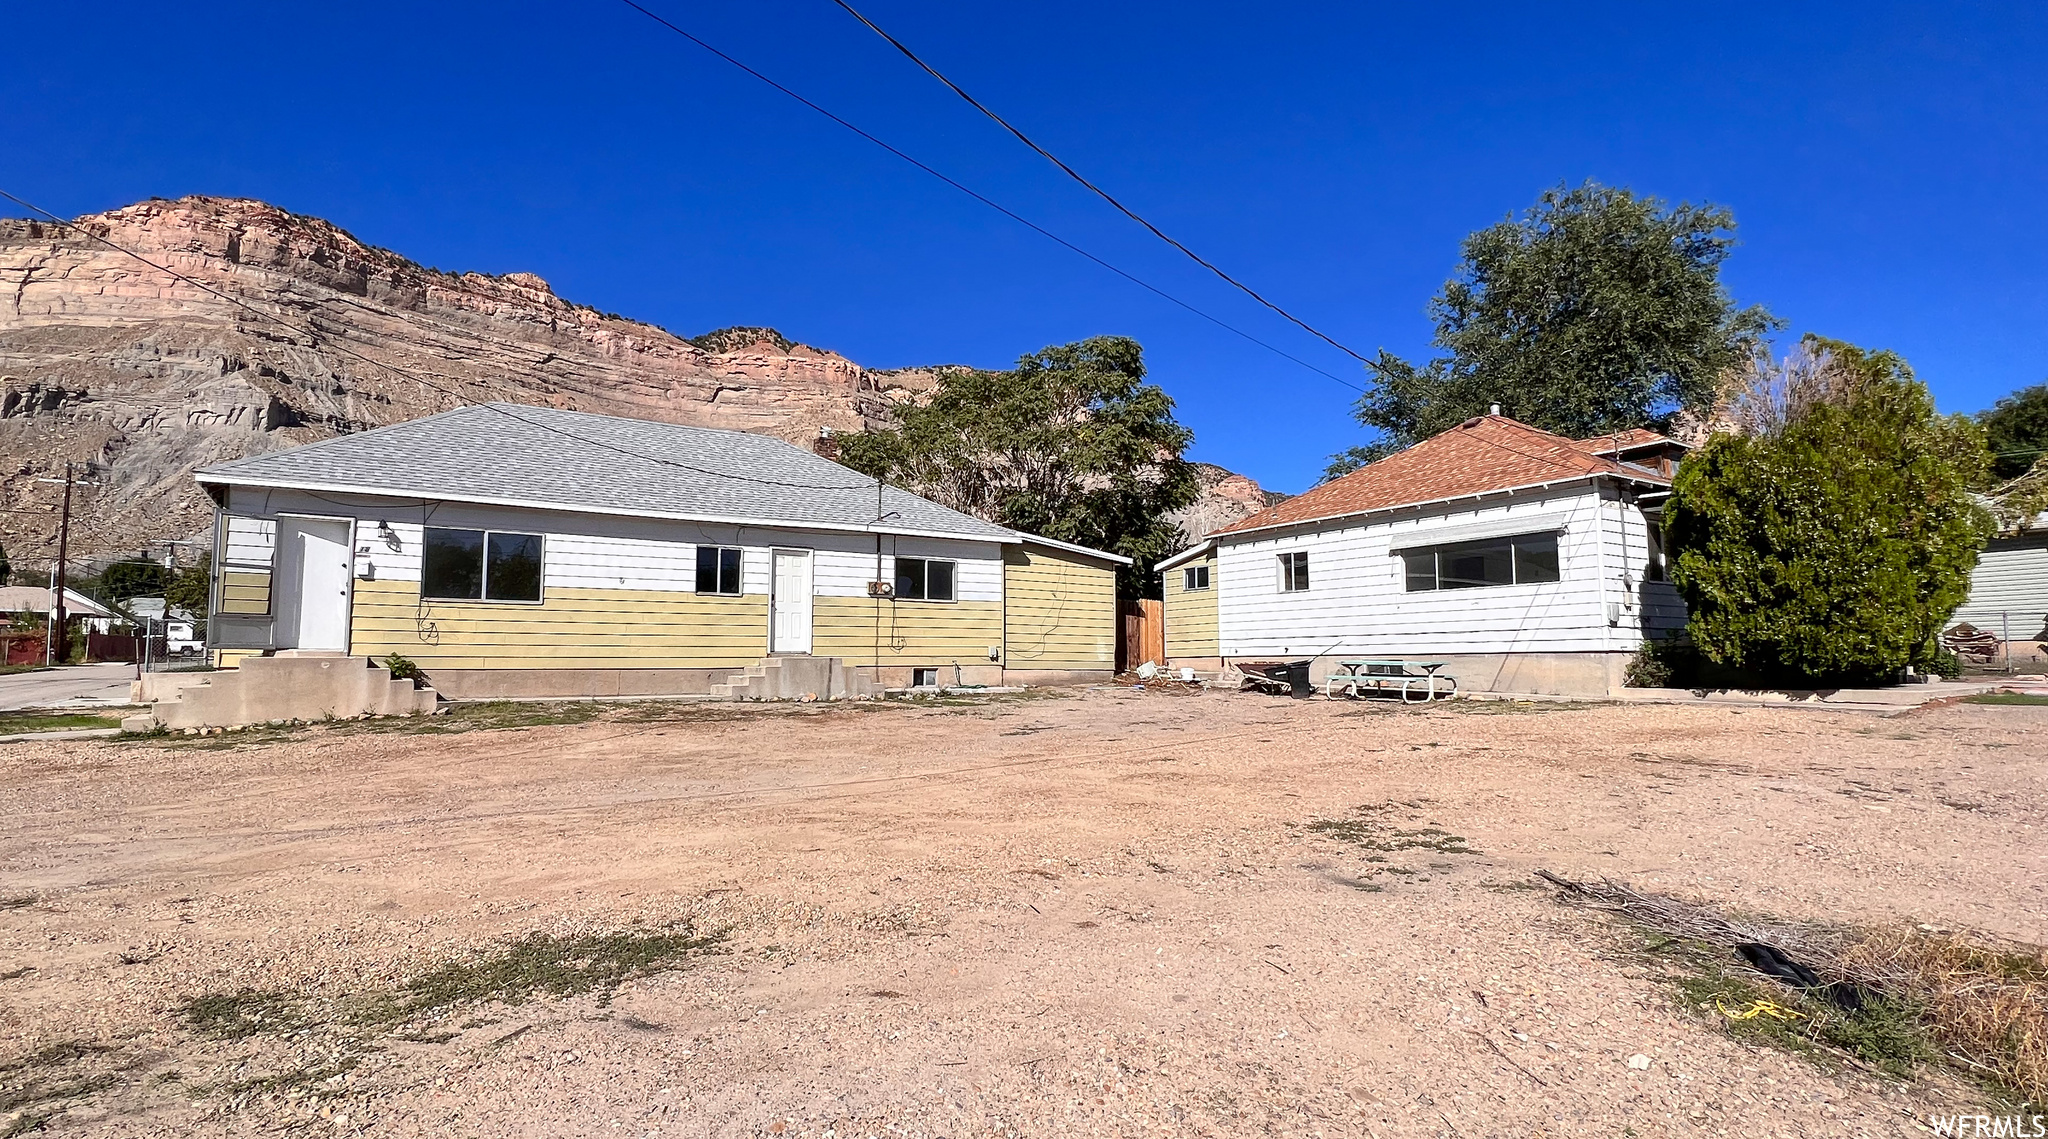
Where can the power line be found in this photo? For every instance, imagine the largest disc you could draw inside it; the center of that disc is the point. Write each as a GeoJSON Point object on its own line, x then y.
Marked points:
{"type": "Point", "coordinates": [335, 341]}
{"type": "Point", "coordinates": [1099, 192]}
{"type": "Point", "coordinates": [1005, 211]}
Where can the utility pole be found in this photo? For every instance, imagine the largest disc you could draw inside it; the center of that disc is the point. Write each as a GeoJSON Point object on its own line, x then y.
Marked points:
{"type": "Point", "coordinates": [63, 550]}
{"type": "Point", "coordinates": [61, 649]}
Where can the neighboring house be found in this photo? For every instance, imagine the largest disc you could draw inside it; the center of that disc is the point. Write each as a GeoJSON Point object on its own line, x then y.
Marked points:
{"type": "Point", "coordinates": [35, 602]}
{"type": "Point", "coordinates": [178, 627]}
{"type": "Point", "coordinates": [1527, 561]}
{"type": "Point", "coordinates": [2009, 587]}
{"type": "Point", "coordinates": [514, 550]}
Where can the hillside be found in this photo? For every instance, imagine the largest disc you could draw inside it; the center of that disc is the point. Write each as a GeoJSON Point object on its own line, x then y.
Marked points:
{"type": "Point", "coordinates": [105, 358]}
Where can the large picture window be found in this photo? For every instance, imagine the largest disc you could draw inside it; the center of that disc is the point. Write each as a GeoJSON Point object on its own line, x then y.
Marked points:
{"type": "Point", "coordinates": [480, 565]}
{"type": "Point", "coordinates": [924, 579]}
{"type": "Point", "coordinates": [718, 569]}
{"type": "Point", "coordinates": [1523, 559]}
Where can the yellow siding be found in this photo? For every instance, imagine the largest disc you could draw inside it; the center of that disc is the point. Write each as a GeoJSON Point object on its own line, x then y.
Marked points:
{"type": "Point", "coordinates": [243, 591]}
{"type": "Point", "coordinates": [907, 632]}
{"type": "Point", "coordinates": [229, 658]}
{"type": "Point", "coordinates": [1060, 610]}
{"type": "Point", "coordinates": [1190, 613]}
{"type": "Point", "coordinates": [573, 628]}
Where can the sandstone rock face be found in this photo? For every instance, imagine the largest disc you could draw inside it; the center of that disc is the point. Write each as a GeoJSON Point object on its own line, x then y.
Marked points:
{"type": "Point", "coordinates": [1226, 497]}
{"type": "Point", "coordinates": [109, 359]}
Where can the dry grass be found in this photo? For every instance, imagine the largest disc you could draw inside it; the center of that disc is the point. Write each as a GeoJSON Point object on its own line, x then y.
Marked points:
{"type": "Point", "coordinates": [1979, 1005]}
{"type": "Point", "coordinates": [1986, 1005]}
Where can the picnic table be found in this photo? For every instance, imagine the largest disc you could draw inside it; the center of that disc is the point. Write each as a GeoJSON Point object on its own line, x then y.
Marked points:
{"type": "Point", "coordinates": [1404, 676]}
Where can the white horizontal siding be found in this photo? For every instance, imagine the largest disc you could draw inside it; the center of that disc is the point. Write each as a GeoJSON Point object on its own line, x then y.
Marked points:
{"type": "Point", "coordinates": [1357, 602]}
{"type": "Point", "coordinates": [2009, 587]}
{"type": "Point", "coordinates": [600, 552]}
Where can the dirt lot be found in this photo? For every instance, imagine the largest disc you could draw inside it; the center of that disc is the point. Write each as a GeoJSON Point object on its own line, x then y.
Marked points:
{"type": "Point", "coordinates": [1113, 913]}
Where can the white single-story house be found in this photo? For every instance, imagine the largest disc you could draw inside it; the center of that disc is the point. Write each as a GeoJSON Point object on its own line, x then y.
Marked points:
{"type": "Point", "coordinates": [2009, 587]}
{"type": "Point", "coordinates": [34, 601]}
{"type": "Point", "coordinates": [526, 551]}
{"type": "Point", "coordinates": [1526, 561]}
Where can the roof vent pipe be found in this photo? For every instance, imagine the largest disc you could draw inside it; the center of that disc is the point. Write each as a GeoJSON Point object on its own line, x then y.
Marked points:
{"type": "Point", "coordinates": [1493, 410]}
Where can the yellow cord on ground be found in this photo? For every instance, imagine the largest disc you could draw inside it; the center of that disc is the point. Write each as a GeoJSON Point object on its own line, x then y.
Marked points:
{"type": "Point", "coordinates": [1760, 1008]}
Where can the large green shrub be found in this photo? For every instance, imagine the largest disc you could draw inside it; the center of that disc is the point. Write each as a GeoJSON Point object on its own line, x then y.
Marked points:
{"type": "Point", "coordinates": [1833, 547]}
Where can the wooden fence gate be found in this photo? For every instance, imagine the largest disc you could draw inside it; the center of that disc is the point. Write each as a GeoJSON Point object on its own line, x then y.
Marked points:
{"type": "Point", "coordinates": [1141, 635]}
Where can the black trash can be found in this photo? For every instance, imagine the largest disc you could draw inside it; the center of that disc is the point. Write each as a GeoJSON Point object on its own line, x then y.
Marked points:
{"type": "Point", "coordinates": [1297, 679]}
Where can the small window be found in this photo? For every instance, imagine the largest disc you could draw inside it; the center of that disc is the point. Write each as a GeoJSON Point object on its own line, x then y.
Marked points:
{"type": "Point", "coordinates": [1653, 570]}
{"type": "Point", "coordinates": [924, 678]}
{"type": "Point", "coordinates": [480, 565]}
{"type": "Point", "coordinates": [1294, 572]}
{"type": "Point", "coordinates": [924, 579]}
{"type": "Point", "coordinates": [1525, 559]}
{"type": "Point", "coordinates": [1194, 577]}
{"type": "Point", "coordinates": [718, 569]}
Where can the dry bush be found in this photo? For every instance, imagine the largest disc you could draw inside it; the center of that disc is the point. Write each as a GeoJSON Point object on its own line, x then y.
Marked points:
{"type": "Point", "coordinates": [1986, 1004]}
{"type": "Point", "coordinates": [1982, 1004]}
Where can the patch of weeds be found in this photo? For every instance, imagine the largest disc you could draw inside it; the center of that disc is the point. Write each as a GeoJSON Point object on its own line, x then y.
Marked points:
{"type": "Point", "coordinates": [13, 722]}
{"type": "Point", "coordinates": [2023, 699]}
{"type": "Point", "coordinates": [1365, 828]}
{"type": "Point", "coordinates": [238, 1016]}
{"type": "Point", "coordinates": [38, 1078]}
{"type": "Point", "coordinates": [540, 964]}
{"type": "Point", "coordinates": [1888, 1035]}
{"type": "Point", "coordinates": [1476, 707]}
{"type": "Point", "coordinates": [27, 1123]}
{"type": "Point", "coordinates": [308, 1076]}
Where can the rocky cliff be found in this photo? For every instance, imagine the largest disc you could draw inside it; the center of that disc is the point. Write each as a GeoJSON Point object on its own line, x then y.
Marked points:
{"type": "Point", "coordinates": [105, 358]}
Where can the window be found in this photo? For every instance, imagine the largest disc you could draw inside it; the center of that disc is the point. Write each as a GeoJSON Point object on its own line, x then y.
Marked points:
{"type": "Point", "coordinates": [1195, 577]}
{"type": "Point", "coordinates": [924, 678]}
{"type": "Point", "coordinates": [718, 569]}
{"type": "Point", "coordinates": [1294, 572]}
{"type": "Point", "coordinates": [924, 579]}
{"type": "Point", "coordinates": [480, 565]}
{"type": "Point", "coordinates": [1653, 570]}
{"type": "Point", "coordinates": [1524, 559]}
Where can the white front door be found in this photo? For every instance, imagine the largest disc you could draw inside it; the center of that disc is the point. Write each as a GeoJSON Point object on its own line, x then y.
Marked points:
{"type": "Point", "coordinates": [317, 576]}
{"type": "Point", "coordinates": [789, 622]}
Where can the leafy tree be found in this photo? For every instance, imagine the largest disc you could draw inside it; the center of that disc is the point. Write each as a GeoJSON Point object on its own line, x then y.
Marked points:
{"type": "Point", "coordinates": [1071, 444]}
{"type": "Point", "coordinates": [1594, 311]}
{"type": "Point", "coordinates": [191, 588]}
{"type": "Point", "coordinates": [6, 567]}
{"type": "Point", "coordinates": [2016, 428]}
{"type": "Point", "coordinates": [133, 577]}
{"type": "Point", "coordinates": [1832, 545]}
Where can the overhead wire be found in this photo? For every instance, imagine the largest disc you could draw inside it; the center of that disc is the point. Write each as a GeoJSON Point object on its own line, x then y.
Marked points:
{"type": "Point", "coordinates": [335, 341]}
{"type": "Point", "coordinates": [997, 206]}
{"type": "Point", "coordinates": [1098, 191]}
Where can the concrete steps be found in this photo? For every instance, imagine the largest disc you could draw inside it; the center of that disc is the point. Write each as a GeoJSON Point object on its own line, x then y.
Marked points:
{"type": "Point", "coordinates": [797, 678]}
{"type": "Point", "coordinates": [292, 685]}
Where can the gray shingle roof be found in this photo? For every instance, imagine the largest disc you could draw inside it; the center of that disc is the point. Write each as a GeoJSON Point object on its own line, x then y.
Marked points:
{"type": "Point", "coordinates": [510, 453]}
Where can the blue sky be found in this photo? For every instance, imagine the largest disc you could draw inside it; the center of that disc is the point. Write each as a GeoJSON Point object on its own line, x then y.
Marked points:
{"type": "Point", "coordinates": [1888, 165]}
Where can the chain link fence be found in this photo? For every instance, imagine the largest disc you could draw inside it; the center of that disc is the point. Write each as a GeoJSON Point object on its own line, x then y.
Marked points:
{"type": "Point", "coordinates": [1993, 642]}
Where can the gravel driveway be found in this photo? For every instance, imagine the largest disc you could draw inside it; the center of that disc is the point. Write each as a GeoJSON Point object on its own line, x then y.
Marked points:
{"type": "Point", "coordinates": [1112, 913]}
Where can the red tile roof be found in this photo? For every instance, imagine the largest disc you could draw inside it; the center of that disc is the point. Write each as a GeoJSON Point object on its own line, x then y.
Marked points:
{"type": "Point", "coordinates": [1490, 453]}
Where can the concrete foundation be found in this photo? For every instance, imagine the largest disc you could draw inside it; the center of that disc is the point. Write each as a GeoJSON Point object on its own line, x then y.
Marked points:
{"type": "Point", "coordinates": [1044, 677]}
{"type": "Point", "coordinates": [1593, 674]}
{"type": "Point", "coordinates": [575, 683]}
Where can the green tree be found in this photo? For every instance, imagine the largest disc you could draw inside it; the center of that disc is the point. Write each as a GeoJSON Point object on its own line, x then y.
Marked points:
{"type": "Point", "coordinates": [191, 588]}
{"type": "Point", "coordinates": [2016, 428]}
{"type": "Point", "coordinates": [1833, 545]}
{"type": "Point", "coordinates": [1070, 444]}
{"type": "Point", "coordinates": [6, 567]}
{"type": "Point", "coordinates": [1594, 311]}
{"type": "Point", "coordinates": [132, 577]}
